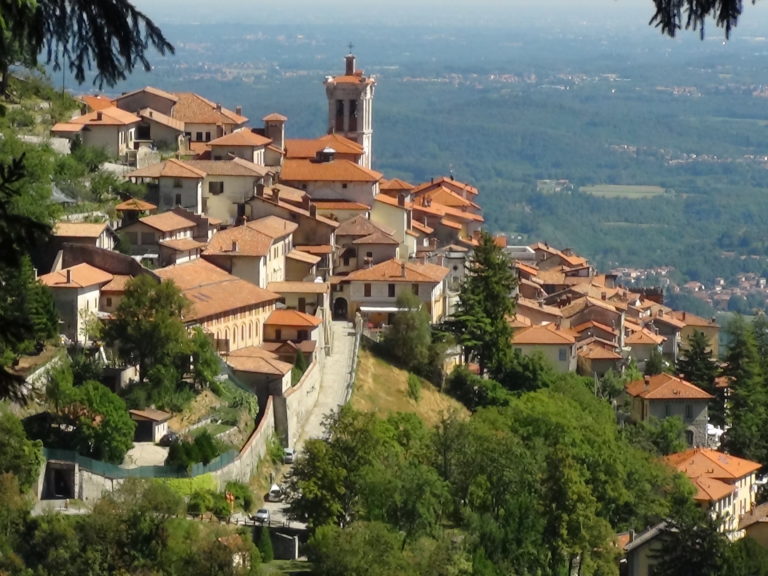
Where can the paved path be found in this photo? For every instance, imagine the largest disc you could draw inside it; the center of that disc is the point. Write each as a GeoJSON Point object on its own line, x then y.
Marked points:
{"type": "Point", "coordinates": [333, 382]}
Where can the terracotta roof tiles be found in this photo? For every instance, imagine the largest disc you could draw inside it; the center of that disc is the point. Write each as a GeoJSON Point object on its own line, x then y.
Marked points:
{"type": "Point", "coordinates": [666, 387]}
{"type": "Point", "coordinates": [398, 271]}
{"type": "Point", "coordinates": [708, 463]}
{"type": "Point", "coordinates": [193, 108]}
{"type": "Point", "coordinates": [80, 276]}
{"type": "Point", "coordinates": [546, 334]}
{"type": "Point", "coordinates": [333, 171]}
{"type": "Point", "coordinates": [243, 137]}
{"type": "Point", "coordinates": [293, 318]}
{"type": "Point", "coordinates": [79, 229]}
{"type": "Point", "coordinates": [167, 222]}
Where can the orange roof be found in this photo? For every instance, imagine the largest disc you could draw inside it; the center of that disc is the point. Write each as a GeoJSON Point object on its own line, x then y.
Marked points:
{"type": "Point", "coordinates": [448, 182]}
{"type": "Point", "coordinates": [292, 318]}
{"type": "Point", "coordinates": [299, 287]}
{"type": "Point", "coordinates": [111, 116]}
{"type": "Point", "coordinates": [167, 222]}
{"type": "Point", "coordinates": [665, 387]}
{"type": "Point", "coordinates": [596, 351]}
{"type": "Point", "coordinates": [80, 276]}
{"type": "Point", "coordinates": [644, 337]}
{"type": "Point", "coordinates": [274, 226]}
{"type": "Point", "coordinates": [274, 117]}
{"type": "Point", "coordinates": [117, 285]}
{"type": "Point", "coordinates": [319, 249]}
{"type": "Point", "coordinates": [523, 302]}
{"type": "Point", "coordinates": [151, 414]}
{"type": "Point", "coordinates": [592, 324]}
{"type": "Point", "coordinates": [395, 184]}
{"type": "Point", "coordinates": [194, 109]}
{"type": "Point", "coordinates": [79, 229]}
{"type": "Point", "coordinates": [698, 462]}
{"type": "Point", "coordinates": [259, 361]}
{"type": "Point", "coordinates": [546, 334]}
{"type": "Point", "coordinates": [150, 90]}
{"type": "Point", "coordinates": [134, 204]}
{"type": "Point", "coordinates": [245, 240]}
{"type": "Point", "coordinates": [353, 79]}
{"type": "Point", "coordinates": [377, 238]}
{"type": "Point", "coordinates": [160, 118]}
{"type": "Point", "coordinates": [233, 167]}
{"type": "Point", "coordinates": [62, 127]}
{"type": "Point", "coordinates": [711, 489]}
{"type": "Point", "coordinates": [693, 320]}
{"type": "Point", "coordinates": [213, 291]}
{"type": "Point", "coordinates": [182, 244]}
{"type": "Point", "coordinates": [97, 102]}
{"type": "Point", "coordinates": [423, 228]}
{"type": "Point", "coordinates": [333, 171]}
{"type": "Point", "coordinates": [171, 168]}
{"type": "Point", "coordinates": [300, 256]}
{"type": "Point", "coordinates": [395, 270]}
{"type": "Point", "coordinates": [243, 137]}
{"type": "Point", "coordinates": [450, 223]}
{"type": "Point", "coordinates": [340, 205]}
{"type": "Point", "coordinates": [304, 148]}
{"type": "Point", "coordinates": [529, 268]}
{"type": "Point", "coordinates": [447, 197]}
{"type": "Point", "coordinates": [360, 226]}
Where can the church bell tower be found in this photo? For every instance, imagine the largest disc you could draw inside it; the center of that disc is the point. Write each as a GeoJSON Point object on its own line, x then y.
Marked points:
{"type": "Point", "coordinates": [350, 107]}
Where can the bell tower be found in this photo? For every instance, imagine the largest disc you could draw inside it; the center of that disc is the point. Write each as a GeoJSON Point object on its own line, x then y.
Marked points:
{"type": "Point", "coordinates": [350, 106]}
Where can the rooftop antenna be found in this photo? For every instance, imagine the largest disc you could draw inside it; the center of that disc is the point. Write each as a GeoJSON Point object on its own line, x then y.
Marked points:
{"type": "Point", "coordinates": [350, 46]}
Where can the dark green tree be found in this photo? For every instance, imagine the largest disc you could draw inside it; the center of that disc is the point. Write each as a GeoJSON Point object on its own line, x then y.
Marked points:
{"type": "Point", "coordinates": [747, 411]}
{"type": "Point", "coordinates": [655, 363]}
{"type": "Point", "coordinates": [147, 327]}
{"type": "Point", "coordinates": [110, 36]}
{"type": "Point", "coordinates": [265, 545]}
{"type": "Point", "coordinates": [481, 321]}
{"type": "Point", "coordinates": [206, 363]}
{"type": "Point", "coordinates": [18, 455]}
{"type": "Point", "coordinates": [673, 15]}
{"type": "Point", "coordinates": [103, 428]}
{"type": "Point", "coordinates": [697, 366]}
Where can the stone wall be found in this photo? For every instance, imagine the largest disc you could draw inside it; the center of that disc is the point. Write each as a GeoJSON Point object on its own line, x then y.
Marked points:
{"type": "Point", "coordinates": [299, 401]}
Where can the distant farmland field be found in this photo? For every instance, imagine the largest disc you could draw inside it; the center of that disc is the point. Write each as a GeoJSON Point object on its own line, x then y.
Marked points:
{"type": "Point", "coordinates": [620, 191]}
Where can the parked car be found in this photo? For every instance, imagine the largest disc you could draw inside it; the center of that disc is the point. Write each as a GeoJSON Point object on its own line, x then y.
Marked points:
{"type": "Point", "coordinates": [169, 439]}
{"type": "Point", "coordinates": [275, 494]}
{"type": "Point", "coordinates": [262, 516]}
{"type": "Point", "coordinates": [288, 455]}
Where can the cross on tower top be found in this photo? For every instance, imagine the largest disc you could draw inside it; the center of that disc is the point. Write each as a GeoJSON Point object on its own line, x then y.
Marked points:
{"type": "Point", "coordinates": [350, 46]}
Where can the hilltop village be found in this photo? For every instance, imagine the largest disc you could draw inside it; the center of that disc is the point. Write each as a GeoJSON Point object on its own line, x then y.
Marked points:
{"type": "Point", "coordinates": [287, 252]}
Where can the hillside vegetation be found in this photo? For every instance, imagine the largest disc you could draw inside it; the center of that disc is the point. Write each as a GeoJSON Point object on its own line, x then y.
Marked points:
{"type": "Point", "coordinates": [383, 388]}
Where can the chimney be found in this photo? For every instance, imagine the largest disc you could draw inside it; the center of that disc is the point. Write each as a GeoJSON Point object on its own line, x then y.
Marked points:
{"type": "Point", "coordinates": [432, 180]}
{"type": "Point", "coordinates": [305, 202]}
{"type": "Point", "coordinates": [433, 243]}
{"type": "Point", "coordinates": [683, 314]}
{"type": "Point", "coordinates": [402, 269]}
{"type": "Point", "coordinates": [275, 194]}
{"type": "Point", "coordinates": [603, 296]}
{"type": "Point", "coordinates": [69, 275]}
{"type": "Point", "coordinates": [401, 200]}
{"type": "Point", "coordinates": [541, 303]}
{"type": "Point", "coordinates": [647, 381]}
{"type": "Point", "coordinates": [350, 69]}
{"type": "Point", "coordinates": [218, 107]}
{"type": "Point", "coordinates": [239, 110]}
{"type": "Point", "coordinates": [260, 189]}
{"type": "Point", "coordinates": [99, 116]}
{"type": "Point", "coordinates": [313, 211]}
{"type": "Point", "coordinates": [235, 247]}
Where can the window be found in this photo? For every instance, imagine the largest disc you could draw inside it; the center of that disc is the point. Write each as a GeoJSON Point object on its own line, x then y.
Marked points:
{"type": "Point", "coordinates": [302, 304]}
{"type": "Point", "coordinates": [415, 289]}
{"type": "Point", "coordinates": [215, 188]}
{"type": "Point", "coordinates": [178, 199]}
{"type": "Point", "coordinates": [278, 334]}
{"type": "Point", "coordinates": [688, 412]}
{"type": "Point", "coordinates": [689, 437]}
{"type": "Point", "coordinates": [177, 183]}
{"type": "Point", "coordinates": [303, 335]}
{"type": "Point", "coordinates": [109, 301]}
{"type": "Point", "coordinates": [391, 290]}
{"type": "Point", "coordinates": [369, 254]}
{"type": "Point", "coordinates": [667, 410]}
{"type": "Point", "coordinates": [198, 136]}
{"type": "Point", "coordinates": [367, 290]}
{"type": "Point", "coordinates": [207, 136]}
{"type": "Point", "coordinates": [344, 185]}
{"type": "Point", "coordinates": [562, 354]}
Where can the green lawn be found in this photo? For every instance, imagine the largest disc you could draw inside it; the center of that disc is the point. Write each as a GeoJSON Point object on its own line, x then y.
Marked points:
{"type": "Point", "coordinates": [622, 191]}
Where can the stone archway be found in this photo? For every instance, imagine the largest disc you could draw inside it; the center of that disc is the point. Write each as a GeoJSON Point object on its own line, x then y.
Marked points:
{"type": "Point", "coordinates": [340, 309]}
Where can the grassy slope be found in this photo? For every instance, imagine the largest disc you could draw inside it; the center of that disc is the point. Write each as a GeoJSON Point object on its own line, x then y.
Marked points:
{"type": "Point", "coordinates": [383, 388]}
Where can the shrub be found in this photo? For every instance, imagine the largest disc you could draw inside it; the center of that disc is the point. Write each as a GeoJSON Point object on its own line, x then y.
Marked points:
{"type": "Point", "coordinates": [199, 502]}
{"type": "Point", "coordinates": [414, 387]}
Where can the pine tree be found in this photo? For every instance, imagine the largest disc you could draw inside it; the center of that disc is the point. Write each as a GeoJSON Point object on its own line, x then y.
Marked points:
{"type": "Point", "coordinates": [485, 305]}
{"type": "Point", "coordinates": [697, 366]}
{"type": "Point", "coordinates": [265, 545]}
